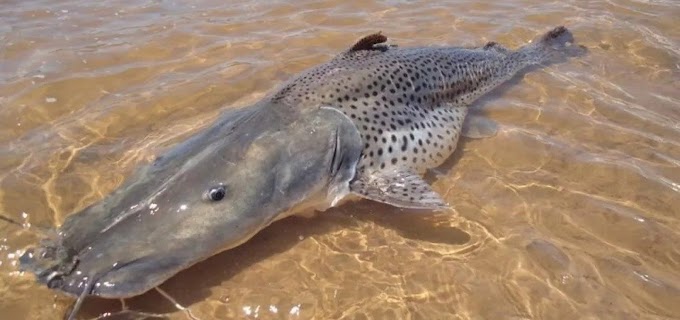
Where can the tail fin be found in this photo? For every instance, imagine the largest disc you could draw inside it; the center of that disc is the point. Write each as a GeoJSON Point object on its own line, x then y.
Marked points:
{"type": "Point", "coordinates": [557, 43]}
{"type": "Point", "coordinates": [556, 38]}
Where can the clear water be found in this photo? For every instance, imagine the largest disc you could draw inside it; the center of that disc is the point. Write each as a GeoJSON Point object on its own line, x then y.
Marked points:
{"type": "Point", "coordinates": [571, 212]}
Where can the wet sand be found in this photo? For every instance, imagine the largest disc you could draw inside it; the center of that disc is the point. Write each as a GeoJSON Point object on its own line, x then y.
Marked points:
{"type": "Point", "coordinates": [571, 212]}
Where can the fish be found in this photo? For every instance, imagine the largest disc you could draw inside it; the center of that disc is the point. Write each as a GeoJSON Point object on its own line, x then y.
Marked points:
{"type": "Point", "coordinates": [367, 124]}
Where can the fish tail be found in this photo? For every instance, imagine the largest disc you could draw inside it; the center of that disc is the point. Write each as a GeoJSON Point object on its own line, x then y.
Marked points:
{"type": "Point", "coordinates": [557, 43]}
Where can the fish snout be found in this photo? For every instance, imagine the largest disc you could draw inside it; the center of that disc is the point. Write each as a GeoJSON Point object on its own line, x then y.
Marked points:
{"type": "Point", "coordinates": [73, 274]}
{"type": "Point", "coordinates": [55, 266]}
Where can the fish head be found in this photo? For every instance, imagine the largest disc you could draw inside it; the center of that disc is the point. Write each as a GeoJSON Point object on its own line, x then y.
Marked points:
{"type": "Point", "coordinates": [210, 193]}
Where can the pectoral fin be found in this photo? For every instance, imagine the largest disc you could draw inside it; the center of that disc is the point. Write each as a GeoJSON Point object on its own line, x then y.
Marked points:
{"type": "Point", "coordinates": [403, 189]}
{"type": "Point", "coordinates": [477, 126]}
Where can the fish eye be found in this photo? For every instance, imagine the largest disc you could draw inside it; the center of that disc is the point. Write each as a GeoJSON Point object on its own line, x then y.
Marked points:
{"type": "Point", "coordinates": [216, 193]}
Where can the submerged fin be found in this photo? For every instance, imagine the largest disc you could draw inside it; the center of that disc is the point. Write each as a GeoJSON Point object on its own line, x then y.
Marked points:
{"type": "Point", "coordinates": [403, 189]}
{"type": "Point", "coordinates": [557, 37]}
{"type": "Point", "coordinates": [552, 46]}
{"type": "Point", "coordinates": [477, 127]}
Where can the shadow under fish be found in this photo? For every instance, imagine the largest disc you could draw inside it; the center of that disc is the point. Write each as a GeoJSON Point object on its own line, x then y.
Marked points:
{"type": "Point", "coordinates": [366, 124]}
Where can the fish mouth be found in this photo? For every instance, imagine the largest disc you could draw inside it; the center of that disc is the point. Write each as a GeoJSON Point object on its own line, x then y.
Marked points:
{"type": "Point", "coordinates": [119, 280]}
{"type": "Point", "coordinates": [130, 259]}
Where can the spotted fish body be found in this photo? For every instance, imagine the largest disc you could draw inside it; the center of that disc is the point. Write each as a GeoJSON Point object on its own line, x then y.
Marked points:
{"type": "Point", "coordinates": [367, 124]}
{"type": "Point", "coordinates": [410, 104]}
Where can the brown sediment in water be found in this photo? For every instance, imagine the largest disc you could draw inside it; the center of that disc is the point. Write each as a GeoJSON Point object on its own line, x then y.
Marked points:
{"type": "Point", "coordinates": [571, 211]}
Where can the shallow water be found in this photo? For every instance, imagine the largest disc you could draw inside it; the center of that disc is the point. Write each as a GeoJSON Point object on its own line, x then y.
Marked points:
{"type": "Point", "coordinates": [572, 211]}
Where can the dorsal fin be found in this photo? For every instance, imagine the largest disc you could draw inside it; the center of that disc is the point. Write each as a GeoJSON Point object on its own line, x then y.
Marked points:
{"type": "Point", "coordinates": [369, 42]}
{"type": "Point", "coordinates": [495, 46]}
{"type": "Point", "coordinates": [490, 45]}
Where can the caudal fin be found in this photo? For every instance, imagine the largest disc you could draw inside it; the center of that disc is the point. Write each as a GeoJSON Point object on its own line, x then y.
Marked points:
{"type": "Point", "coordinates": [557, 43]}
{"type": "Point", "coordinates": [557, 38]}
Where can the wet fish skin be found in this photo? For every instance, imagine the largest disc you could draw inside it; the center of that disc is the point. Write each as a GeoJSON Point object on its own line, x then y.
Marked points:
{"type": "Point", "coordinates": [269, 159]}
{"type": "Point", "coordinates": [366, 123]}
{"type": "Point", "coordinates": [411, 104]}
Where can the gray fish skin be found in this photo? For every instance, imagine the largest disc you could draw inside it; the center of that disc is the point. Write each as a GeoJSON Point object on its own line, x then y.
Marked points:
{"type": "Point", "coordinates": [366, 123]}
{"type": "Point", "coordinates": [271, 160]}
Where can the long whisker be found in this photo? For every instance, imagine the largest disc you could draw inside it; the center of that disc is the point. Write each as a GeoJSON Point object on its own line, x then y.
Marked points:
{"type": "Point", "coordinates": [81, 298]}
{"type": "Point", "coordinates": [176, 304]}
{"type": "Point", "coordinates": [11, 221]}
{"type": "Point", "coordinates": [133, 315]}
{"type": "Point", "coordinates": [40, 231]}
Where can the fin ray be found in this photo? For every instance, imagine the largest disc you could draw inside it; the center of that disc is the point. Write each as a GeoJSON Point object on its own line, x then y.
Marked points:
{"type": "Point", "coordinates": [399, 188]}
{"type": "Point", "coordinates": [477, 127]}
{"type": "Point", "coordinates": [369, 42]}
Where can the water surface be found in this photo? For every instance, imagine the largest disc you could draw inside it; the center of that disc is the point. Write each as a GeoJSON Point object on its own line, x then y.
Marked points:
{"type": "Point", "coordinates": [571, 212]}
